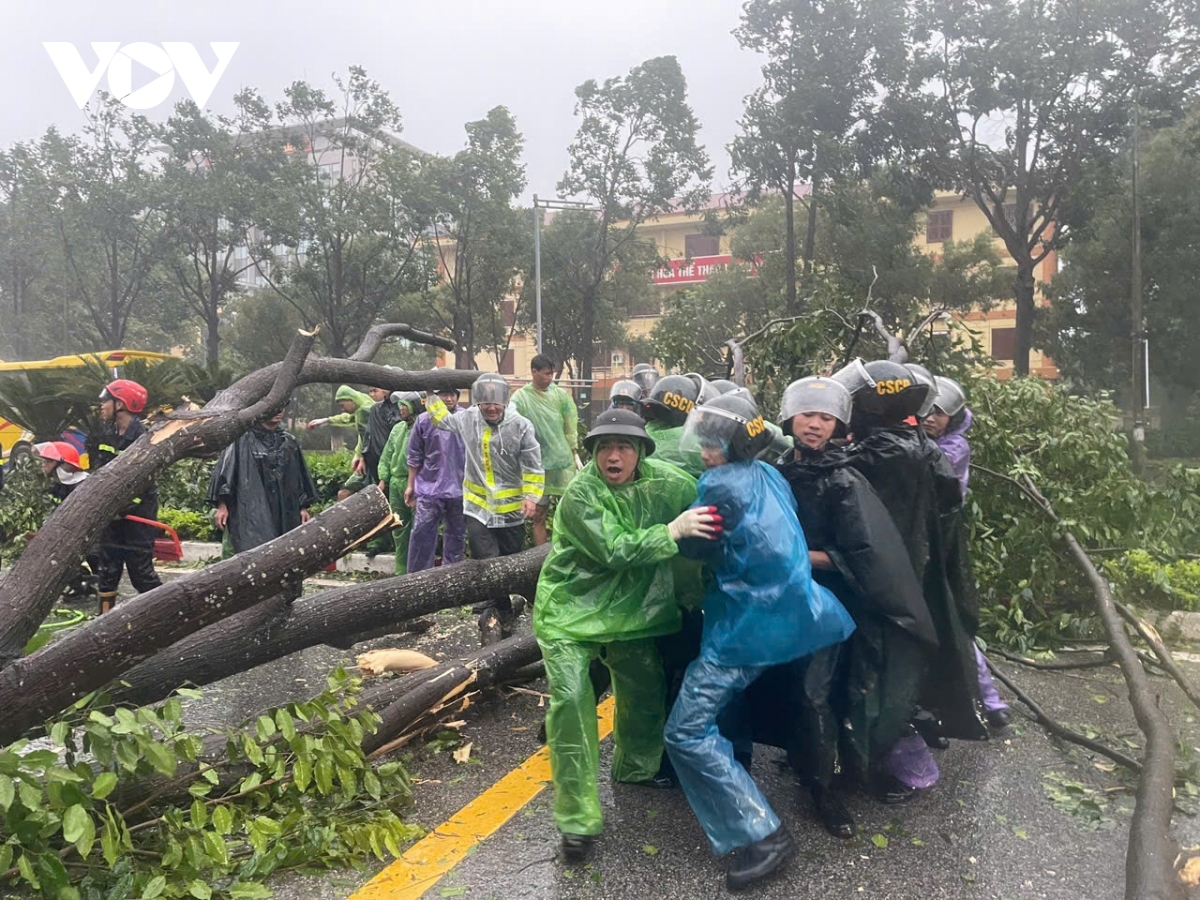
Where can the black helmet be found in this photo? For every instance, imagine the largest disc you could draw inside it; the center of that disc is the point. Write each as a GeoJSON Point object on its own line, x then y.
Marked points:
{"type": "Point", "coordinates": [723, 385]}
{"type": "Point", "coordinates": [894, 393]}
{"type": "Point", "coordinates": [645, 375]}
{"type": "Point", "coordinates": [671, 399]}
{"type": "Point", "coordinates": [704, 390]}
{"type": "Point", "coordinates": [925, 377]}
{"type": "Point", "coordinates": [621, 423]}
{"type": "Point", "coordinates": [731, 422]}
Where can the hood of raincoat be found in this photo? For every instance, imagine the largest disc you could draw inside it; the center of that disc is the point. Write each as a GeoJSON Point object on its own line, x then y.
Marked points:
{"type": "Point", "coordinates": [957, 450]}
{"type": "Point", "coordinates": [345, 392]}
{"type": "Point", "coordinates": [763, 607]}
{"type": "Point", "coordinates": [609, 575]}
{"type": "Point", "coordinates": [666, 448]}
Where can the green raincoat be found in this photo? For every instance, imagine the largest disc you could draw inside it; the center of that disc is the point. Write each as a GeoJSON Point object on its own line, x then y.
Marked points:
{"type": "Point", "coordinates": [393, 468]}
{"type": "Point", "coordinates": [359, 418]}
{"type": "Point", "coordinates": [607, 590]}
{"type": "Point", "coordinates": [556, 424]}
{"type": "Point", "coordinates": [666, 440]}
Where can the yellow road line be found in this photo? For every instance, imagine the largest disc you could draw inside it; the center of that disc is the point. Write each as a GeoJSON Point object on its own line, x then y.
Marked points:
{"type": "Point", "coordinates": [441, 850]}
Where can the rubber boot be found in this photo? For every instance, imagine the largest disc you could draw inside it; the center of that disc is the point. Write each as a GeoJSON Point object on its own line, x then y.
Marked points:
{"type": "Point", "coordinates": [108, 599]}
{"type": "Point", "coordinates": [755, 862]}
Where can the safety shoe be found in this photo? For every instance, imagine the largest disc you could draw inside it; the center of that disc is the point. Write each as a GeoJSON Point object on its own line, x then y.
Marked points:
{"type": "Point", "coordinates": [754, 863]}
{"type": "Point", "coordinates": [999, 718]}
{"type": "Point", "coordinates": [887, 788]}
{"type": "Point", "coordinates": [833, 813]}
{"type": "Point", "coordinates": [576, 847]}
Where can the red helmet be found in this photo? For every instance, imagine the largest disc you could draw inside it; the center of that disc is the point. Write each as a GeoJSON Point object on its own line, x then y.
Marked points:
{"type": "Point", "coordinates": [130, 393]}
{"type": "Point", "coordinates": [58, 451]}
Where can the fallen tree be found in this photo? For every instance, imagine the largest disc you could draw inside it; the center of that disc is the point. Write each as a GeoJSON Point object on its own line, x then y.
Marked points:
{"type": "Point", "coordinates": [273, 629]}
{"type": "Point", "coordinates": [38, 686]}
{"type": "Point", "coordinates": [29, 591]}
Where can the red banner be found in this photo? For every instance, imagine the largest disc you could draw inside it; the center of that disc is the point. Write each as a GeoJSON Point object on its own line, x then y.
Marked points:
{"type": "Point", "coordinates": [691, 271]}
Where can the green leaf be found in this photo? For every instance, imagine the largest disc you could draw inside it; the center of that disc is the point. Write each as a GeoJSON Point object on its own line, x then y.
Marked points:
{"type": "Point", "coordinates": [110, 843]}
{"type": "Point", "coordinates": [72, 823]}
{"type": "Point", "coordinates": [222, 819]}
{"type": "Point", "coordinates": [26, 869]}
{"type": "Point", "coordinates": [250, 891]}
{"type": "Point", "coordinates": [7, 793]}
{"type": "Point", "coordinates": [6, 855]}
{"type": "Point", "coordinates": [453, 891]}
{"type": "Point", "coordinates": [287, 725]}
{"type": "Point", "coordinates": [650, 850]}
{"type": "Point", "coordinates": [302, 772]}
{"type": "Point", "coordinates": [265, 727]}
{"type": "Point", "coordinates": [103, 785]}
{"type": "Point", "coordinates": [880, 841]}
{"type": "Point", "coordinates": [199, 890]}
{"type": "Point", "coordinates": [161, 757]}
{"type": "Point", "coordinates": [199, 814]}
{"type": "Point", "coordinates": [154, 887]}
{"type": "Point", "coordinates": [214, 845]}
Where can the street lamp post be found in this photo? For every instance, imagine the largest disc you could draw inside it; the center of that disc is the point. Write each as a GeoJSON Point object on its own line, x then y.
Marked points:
{"type": "Point", "coordinates": [538, 206]}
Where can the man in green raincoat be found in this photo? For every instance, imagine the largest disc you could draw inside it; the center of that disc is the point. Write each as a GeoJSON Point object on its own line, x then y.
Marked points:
{"type": "Point", "coordinates": [356, 412]}
{"type": "Point", "coordinates": [607, 590]}
{"type": "Point", "coordinates": [393, 472]}
{"type": "Point", "coordinates": [555, 424]}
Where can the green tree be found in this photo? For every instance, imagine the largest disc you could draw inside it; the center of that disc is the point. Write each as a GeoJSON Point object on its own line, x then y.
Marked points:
{"type": "Point", "coordinates": [567, 244]}
{"type": "Point", "coordinates": [213, 179]}
{"type": "Point", "coordinates": [1023, 101]}
{"type": "Point", "coordinates": [27, 256]}
{"type": "Point", "coordinates": [829, 68]}
{"type": "Point", "coordinates": [634, 157]}
{"type": "Point", "coordinates": [480, 242]}
{"type": "Point", "coordinates": [107, 213]}
{"type": "Point", "coordinates": [1089, 326]}
{"type": "Point", "coordinates": [340, 240]}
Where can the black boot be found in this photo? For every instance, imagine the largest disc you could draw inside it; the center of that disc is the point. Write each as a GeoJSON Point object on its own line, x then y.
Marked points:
{"type": "Point", "coordinates": [999, 718]}
{"type": "Point", "coordinates": [887, 788]}
{"type": "Point", "coordinates": [577, 847]}
{"type": "Point", "coordinates": [833, 813]}
{"type": "Point", "coordinates": [754, 863]}
{"type": "Point", "coordinates": [929, 727]}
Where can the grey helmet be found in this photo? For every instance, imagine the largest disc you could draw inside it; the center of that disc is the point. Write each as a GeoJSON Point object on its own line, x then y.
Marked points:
{"type": "Point", "coordinates": [950, 398]}
{"type": "Point", "coordinates": [723, 385]}
{"type": "Point", "coordinates": [854, 376]}
{"type": "Point", "coordinates": [646, 376]}
{"type": "Point", "coordinates": [619, 423]}
{"type": "Point", "coordinates": [490, 388]}
{"type": "Point", "coordinates": [815, 394]}
{"type": "Point", "coordinates": [925, 377]}
{"type": "Point", "coordinates": [626, 394]}
{"type": "Point", "coordinates": [704, 389]}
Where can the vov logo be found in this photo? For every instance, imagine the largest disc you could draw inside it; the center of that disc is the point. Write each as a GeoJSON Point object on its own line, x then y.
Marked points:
{"type": "Point", "coordinates": [118, 60]}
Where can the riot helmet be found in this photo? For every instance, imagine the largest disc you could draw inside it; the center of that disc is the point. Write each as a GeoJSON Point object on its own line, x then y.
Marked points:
{"type": "Point", "coordinates": [853, 376]}
{"type": "Point", "coordinates": [671, 399]}
{"type": "Point", "coordinates": [646, 376]}
{"type": "Point", "coordinates": [723, 385]}
{"type": "Point", "coordinates": [925, 377]}
{"type": "Point", "coordinates": [730, 423]}
{"type": "Point", "coordinates": [815, 395]}
{"type": "Point", "coordinates": [626, 395]}
{"type": "Point", "coordinates": [893, 395]}
{"type": "Point", "coordinates": [490, 388]}
{"type": "Point", "coordinates": [950, 397]}
{"type": "Point", "coordinates": [704, 390]}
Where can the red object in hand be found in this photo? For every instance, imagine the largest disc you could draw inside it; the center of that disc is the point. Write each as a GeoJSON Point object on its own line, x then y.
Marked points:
{"type": "Point", "coordinates": [168, 549]}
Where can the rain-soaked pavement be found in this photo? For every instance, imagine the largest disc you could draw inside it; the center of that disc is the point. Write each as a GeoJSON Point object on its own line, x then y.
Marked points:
{"type": "Point", "coordinates": [1020, 816]}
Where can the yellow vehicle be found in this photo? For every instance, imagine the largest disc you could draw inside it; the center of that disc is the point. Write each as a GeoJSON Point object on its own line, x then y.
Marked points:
{"type": "Point", "coordinates": [15, 441]}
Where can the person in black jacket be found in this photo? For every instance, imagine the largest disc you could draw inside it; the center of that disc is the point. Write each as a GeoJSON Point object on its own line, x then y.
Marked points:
{"type": "Point", "coordinates": [261, 486]}
{"type": "Point", "coordinates": [922, 495]}
{"type": "Point", "coordinates": [124, 544]}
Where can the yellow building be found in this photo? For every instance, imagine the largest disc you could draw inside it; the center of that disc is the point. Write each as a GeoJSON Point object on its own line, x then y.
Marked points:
{"type": "Point", "coordinates": [693, 255]}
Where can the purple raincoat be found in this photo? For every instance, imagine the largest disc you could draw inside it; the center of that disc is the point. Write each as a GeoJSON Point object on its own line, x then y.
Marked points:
{"type": "Point", "coordinates": [957, 451]}
{"type": "Point", "coordinates": [439, 456]}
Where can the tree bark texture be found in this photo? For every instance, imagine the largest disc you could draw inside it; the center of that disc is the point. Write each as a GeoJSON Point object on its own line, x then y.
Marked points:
{"type": "Point", "coordinates": [271, 630]}
{"type": "Point", "coordinates": [37, 580]}
{"type": "Point", "coordinates": [38, 686]}
{"type": "Point", "coordinates": [1023, 293]}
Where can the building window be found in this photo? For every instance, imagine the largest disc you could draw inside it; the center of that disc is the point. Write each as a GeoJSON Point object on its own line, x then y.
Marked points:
{"type": "Point", "coordinates": [940, 226]}
{"type": "Point", "coordinates": [1004, 344]}
{"type": "Point", "coordinates": [701, 245]}
{"type": "Point", "coordinates": [508, 364]}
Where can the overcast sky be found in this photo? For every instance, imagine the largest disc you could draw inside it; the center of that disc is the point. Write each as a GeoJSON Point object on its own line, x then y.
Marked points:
{"type": "Point", "coordinates": [444, 62]}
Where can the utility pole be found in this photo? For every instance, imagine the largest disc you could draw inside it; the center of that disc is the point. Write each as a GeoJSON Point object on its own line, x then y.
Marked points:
{"type": "Point", "coordinates": [538, 206]}
{"type": "Point", "coordinates": [1139, 354]}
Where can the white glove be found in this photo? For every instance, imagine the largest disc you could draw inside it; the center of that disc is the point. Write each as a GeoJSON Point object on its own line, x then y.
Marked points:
{"type": "Point", "coordinates": [702, 521]}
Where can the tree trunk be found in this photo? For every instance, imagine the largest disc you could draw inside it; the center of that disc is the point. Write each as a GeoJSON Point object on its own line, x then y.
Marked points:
{"type": "Point", "coordinates": [272, 630]}
{"type": "Point", "coordinates": [789, 246]}
{"type": "Point", "coordinates": [212, 342]}
{"type": "Point", "coordinates": [37, 580]}
{"type": "Point", "coordinates": [432, 688]}
{"type": "Point", "coordinates": [1023, 293]}
{"type": "Point", "coordinates": [810, 233]}
{"type": "Point", "coordinates": [45, 683]}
